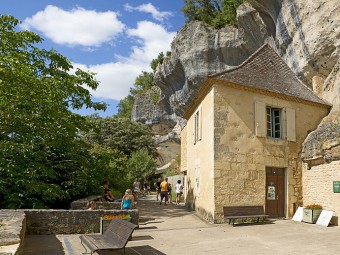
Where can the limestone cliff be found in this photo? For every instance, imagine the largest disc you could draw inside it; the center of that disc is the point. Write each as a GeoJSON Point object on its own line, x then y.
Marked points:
{"type": "Point", "coordinates": [306, 34]}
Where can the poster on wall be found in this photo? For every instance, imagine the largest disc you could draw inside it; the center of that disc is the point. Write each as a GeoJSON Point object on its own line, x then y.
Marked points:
{"type": "Point", "coordinates": [271, 193]}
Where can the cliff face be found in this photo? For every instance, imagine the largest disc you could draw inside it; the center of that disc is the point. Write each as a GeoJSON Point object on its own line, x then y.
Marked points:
{"type": "Point", "coordinates": [306, 34]}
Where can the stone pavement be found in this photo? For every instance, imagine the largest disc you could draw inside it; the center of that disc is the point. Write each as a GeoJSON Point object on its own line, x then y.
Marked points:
{"type": "Point", "coordinates": [173, 230]}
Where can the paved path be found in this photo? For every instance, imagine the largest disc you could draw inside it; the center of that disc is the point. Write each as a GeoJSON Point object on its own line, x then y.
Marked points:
{"type": "Point", "coordinates": [172, 230]}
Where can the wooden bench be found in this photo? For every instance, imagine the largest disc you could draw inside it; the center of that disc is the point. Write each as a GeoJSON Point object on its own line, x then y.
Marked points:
{"type": "Point", "coordinates": [232, 213]}
{"type": "Point", "coordinates": [115, 237]}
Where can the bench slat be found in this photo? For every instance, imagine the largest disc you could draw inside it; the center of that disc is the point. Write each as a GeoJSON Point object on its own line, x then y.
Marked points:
{"type": "Point", "coordinates": [115, 237]}
{"type": "Point", "coordinates": [247, 216]}
{"type": "Point", "coordinates": [235, 212]}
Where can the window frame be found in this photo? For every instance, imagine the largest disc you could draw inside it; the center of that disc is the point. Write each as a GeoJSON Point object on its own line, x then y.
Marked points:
{"type": "Point", "coordinates": [197, 126]}
{"type": "Point", "coordinates": [274, 122]}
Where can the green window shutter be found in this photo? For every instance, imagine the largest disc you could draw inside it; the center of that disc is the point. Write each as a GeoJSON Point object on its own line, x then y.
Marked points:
{"type": "Point", "coordinates": [260, 119]}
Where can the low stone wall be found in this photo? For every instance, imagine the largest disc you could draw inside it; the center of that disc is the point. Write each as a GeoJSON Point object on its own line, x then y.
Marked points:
{"type": "Point", "coordinates": [12, 231]}
{"type": "Point", "coordinates": [16, 224]}
{"type": "Point", "coordinates": [103, 205]}
{"type": "Point", "coordinates": [46, 222]}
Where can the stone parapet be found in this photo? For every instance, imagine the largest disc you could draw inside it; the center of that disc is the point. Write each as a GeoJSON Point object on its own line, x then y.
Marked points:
{"type": "Point", "coordinates": [46, 222]}
{"type": "Point", "coordinates": [16, 224]}
{"type": "Point", "coordinates": [12, 231]}
{"type": "Point", "coordinates": [102, 205]}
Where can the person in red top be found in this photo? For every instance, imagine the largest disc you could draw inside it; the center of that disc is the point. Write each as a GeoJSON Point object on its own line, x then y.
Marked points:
{"type": "Point", "coordinates": [164, 191]}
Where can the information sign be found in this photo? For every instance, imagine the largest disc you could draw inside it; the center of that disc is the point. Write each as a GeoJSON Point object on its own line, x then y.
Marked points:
{"type": "Point", "coordinates": [336, 186]}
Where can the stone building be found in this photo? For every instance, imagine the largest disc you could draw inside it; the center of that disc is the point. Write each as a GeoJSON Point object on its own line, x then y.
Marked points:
{"type": "Point", "coordinates": [243, 138]}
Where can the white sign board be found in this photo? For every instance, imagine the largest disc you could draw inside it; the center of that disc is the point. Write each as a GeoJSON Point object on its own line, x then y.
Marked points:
{"type": "Point", "coordinates": [298, 214]}
{"type": "Point", "coordinates": [324, 218]}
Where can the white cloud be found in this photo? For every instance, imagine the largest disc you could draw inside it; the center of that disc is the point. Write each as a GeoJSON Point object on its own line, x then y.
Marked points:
{"type": "Point", "coordinates": [117, 78]}
{"type": "Point", "coordinates": [75, 27]}
{"type": "Point", "coordinates": [149, 8]}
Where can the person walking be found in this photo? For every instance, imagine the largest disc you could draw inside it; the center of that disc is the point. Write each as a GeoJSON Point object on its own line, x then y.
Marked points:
{"type": "Point", "coordinates": [136, 189]}
{"type": "Point", "coordinates": [158, 187]}
{"type": "Point", "coordinates": [169, 193]}
{"type": "Point", "coordinates": [179, 191]}
{"type": "Point", "coordinates": [145, 187]}
{"type": "Point", "coordinates": [164, 191]}
{"type": "Point", "coordinates": [127, 200]}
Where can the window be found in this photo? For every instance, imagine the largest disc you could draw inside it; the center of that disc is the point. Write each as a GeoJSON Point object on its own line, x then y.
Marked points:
{"type": "Point", "coordinates": [197, 127]}
{"type": "Point", "coordinates": [274, 122]}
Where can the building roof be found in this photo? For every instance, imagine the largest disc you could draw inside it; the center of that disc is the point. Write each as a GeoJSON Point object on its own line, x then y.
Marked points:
{"type": "Point", "coordinates": [264, 70]}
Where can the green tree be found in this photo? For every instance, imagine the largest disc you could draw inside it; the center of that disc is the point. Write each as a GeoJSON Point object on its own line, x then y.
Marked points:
{"type": "Point", "coordinates": [121, 141]}
{"type": "Point", "coordinates": [143, 82]}
{"type": "Point", "coordinates": [125, 106]}
{"type": "Point", "coordinates": [42, 161]}
{"type": "Point", "coordinates": [141, 164]}
{"type": "Point", "coordinates": [120, 134]}
{"type": "Point", "coordinates": [159, 60]}
{"type": "Point", "coordinates": [216, 13]}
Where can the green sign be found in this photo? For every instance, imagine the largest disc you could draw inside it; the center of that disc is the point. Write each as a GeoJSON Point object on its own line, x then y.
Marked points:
{"type": "Point", "coordinates": [336, 186]}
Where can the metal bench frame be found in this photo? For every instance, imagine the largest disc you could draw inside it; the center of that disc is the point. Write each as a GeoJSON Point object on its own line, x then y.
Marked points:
{"type": "Point", "coordinates": [232, 213]}
{"type": "Point", "coordinates": [115, 237]}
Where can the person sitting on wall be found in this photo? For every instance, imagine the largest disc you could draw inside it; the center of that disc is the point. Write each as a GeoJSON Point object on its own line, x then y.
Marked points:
{"type": "Point", "coordinates": [127, 200]}
{"type": "Point", "coordinates": [108, 195]}
{"type": "Point", "coordinates": [91, 205]}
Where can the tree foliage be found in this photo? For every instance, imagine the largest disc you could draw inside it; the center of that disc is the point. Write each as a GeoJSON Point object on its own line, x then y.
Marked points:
{"type": "Point", "coordinates": [43, 163]}
{"type": "Point", "coordinates": [216, 13]}
{"type": "Point", "coordinates": [141, 164]}
{"type": "Point", "coordinates": [129, 145]}
{"type": "Point", "coordinates": [125, 107]}
{"type": "Point", "coordinates": [143, 82]}
{"type": "Point", "coordinates": [120, 134]}
{"type": "Point", "coordinates": [159, 60]}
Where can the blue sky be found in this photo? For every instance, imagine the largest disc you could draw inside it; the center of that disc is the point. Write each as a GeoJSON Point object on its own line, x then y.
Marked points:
{"type": "Point", "coordinates": [114, 38]}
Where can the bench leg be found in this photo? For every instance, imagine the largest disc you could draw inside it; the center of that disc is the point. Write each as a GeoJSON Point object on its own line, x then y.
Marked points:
{"type": "Point", "coordinates": [85, 249]}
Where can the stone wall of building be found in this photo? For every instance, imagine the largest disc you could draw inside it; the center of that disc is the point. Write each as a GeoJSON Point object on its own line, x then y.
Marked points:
{"type": "Point", "coordinates": [241, 157]}
{"type": "Point", "coordinates": [200, 160]}
{"type": "Point", "coordinates": [47, 222]}
{"type": "Point", "coordinates": [184, 163]}
{"type": "Point", "coordinates": [318, 187]}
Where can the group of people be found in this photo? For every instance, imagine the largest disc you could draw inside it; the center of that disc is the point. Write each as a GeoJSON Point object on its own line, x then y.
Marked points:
{"type": "Point", "coordinates": [130, 198]}
{"type": "Point", "coordinates": [127, 201]}
{"type": "Point", "coordinates": [164, 189]}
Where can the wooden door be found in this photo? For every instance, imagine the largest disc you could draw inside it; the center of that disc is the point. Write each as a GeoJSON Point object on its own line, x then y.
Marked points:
{"type": "Point", "coordinates": [275, 191]}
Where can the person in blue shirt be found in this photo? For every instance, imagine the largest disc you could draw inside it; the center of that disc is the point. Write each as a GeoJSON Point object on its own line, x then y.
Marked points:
{"type": "Point", "coordinates": [127, 200]}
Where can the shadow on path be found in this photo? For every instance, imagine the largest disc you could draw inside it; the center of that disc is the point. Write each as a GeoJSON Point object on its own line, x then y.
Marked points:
{"type": "Point", "coordinates": [42, 244]}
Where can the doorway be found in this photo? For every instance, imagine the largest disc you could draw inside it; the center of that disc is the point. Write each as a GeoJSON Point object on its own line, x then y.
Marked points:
{"type": "Point", "coordinates": [275, 192]}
